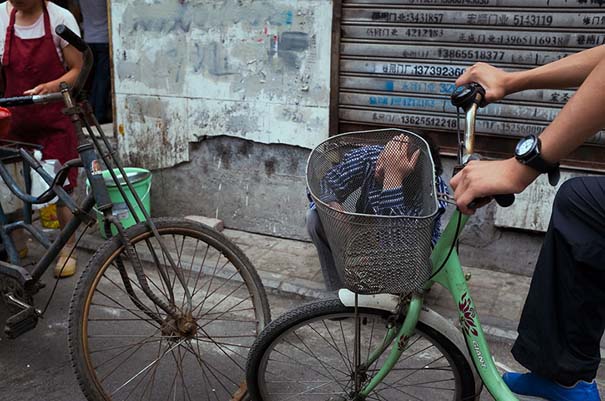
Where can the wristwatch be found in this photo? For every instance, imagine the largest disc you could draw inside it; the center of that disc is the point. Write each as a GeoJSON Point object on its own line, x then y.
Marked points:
{"type": "Point", "coordinates": [527, 152]}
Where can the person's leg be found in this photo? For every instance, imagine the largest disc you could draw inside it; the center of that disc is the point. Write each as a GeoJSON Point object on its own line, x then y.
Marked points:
{"type": "Point", "coordinates": [100, 90]}
{"type": "Point", "coordinates": [564, 315]}
{"type": "Point", "coordinates": [67, 261]}
{"type": "Point", "coordinates": [326, 260]}
{"type": "Point", "coordinates": [64, 215]}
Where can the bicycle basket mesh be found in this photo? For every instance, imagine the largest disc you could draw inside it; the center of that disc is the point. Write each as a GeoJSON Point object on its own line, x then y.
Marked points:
{"type": "Point", "coordinates": [376, 199]}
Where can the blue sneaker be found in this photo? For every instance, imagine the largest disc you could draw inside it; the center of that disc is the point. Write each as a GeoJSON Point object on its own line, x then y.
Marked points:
{"type": "Point", "coordinates": [535, 386]}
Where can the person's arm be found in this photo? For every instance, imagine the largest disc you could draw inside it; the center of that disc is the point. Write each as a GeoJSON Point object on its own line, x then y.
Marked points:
{"type": "Point", "coordinates": [74, 61]}
{"type": "Point", "coordinates": [567, 72]}
{"type": "Point", "coordinates": [345, 177]}
{"type": "Point", "coordinates": [580, 118]}
{"type": "Point", "coordinates": [441, 189]}
{"type": "Point", "coordinates": [393, 166]}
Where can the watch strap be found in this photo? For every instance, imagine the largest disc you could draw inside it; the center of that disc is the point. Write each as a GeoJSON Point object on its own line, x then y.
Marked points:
{"type": "Point", "coordinates": [542, 166]}
{"type": "Point", "coordinates": [538, 163]}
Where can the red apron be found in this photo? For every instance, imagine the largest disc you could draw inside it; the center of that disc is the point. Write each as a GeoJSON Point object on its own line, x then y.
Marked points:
{"type": "Point", "coordinates": [26, 64]}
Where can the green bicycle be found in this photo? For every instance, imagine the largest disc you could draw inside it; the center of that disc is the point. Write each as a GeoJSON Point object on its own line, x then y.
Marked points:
{"type": "Point", "coordinates": [369, 344]}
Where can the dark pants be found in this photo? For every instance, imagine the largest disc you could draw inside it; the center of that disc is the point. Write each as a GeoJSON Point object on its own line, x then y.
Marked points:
{"type": "Point", "coordinates": [564, 315]}
{"type": "Point", "coordinates": [326, 260]}
{"type": "Point", "coordinates": [100, 98]}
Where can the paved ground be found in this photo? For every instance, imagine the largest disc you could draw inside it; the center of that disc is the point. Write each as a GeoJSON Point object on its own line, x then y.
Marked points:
{"type": "Point", "coordinates": [36, 366]}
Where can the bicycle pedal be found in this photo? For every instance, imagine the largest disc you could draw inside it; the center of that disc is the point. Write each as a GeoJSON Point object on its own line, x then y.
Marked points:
{"type": "Point", "coordinates": [21, 322]}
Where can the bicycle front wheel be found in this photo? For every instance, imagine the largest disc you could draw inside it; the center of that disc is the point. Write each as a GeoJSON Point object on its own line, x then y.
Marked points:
{"type": "Point", "coordinates": [126, 347]}
{"type": "Point", "coordinates": [307, 355]}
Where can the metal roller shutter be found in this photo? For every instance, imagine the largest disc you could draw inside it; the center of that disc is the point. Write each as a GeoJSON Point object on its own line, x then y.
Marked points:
{"type": "Point", "coordinates": [398, 60]}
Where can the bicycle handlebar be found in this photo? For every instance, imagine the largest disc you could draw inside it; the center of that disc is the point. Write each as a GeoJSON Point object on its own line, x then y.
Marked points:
{"type": "Point", "coordinates": [70, 37]}
{"type": "Point", "coordinates": [77, 42]}
{"type": "Point", "coordinates": [469, 97]}
{"type": "Point", "coordinates": [74, 40]}
{"type": "Point", "coordinates": [27, 100]}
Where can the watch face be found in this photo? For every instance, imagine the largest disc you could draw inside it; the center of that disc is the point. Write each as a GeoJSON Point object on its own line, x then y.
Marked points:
{"type": "Point", "coordinates": [525, 146]}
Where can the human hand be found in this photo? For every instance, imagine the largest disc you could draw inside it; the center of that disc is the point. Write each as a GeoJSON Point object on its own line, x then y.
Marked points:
{"type": "Point", "coordinates": [487, 178]}
{"type": "Point", "coordinates": [337, 206]}
{"type": "Point", "coordinates": [41, 89]}
{"type": "Point", "coordinates": [395, 163]}
{"type": "Point", "coordinates": [493, 80]}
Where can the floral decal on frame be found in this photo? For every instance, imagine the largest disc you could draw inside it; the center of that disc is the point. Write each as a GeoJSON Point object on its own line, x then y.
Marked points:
{"type": "Point", "coordinates": [467, 315]}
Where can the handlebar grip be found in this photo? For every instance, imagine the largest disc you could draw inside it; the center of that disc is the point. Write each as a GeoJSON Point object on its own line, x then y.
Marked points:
{"type": "Point", "coordinates": [502, 200]}
{"type": "Point", "coordinates": [16, 101]}
{"type": "Point", "coordinates": [71, 38]}
{"type": "Point", "coordinates": [467, 94]}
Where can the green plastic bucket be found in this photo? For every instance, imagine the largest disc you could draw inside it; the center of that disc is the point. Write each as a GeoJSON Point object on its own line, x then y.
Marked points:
{"type": "Point", "coordinates": [141, 182]}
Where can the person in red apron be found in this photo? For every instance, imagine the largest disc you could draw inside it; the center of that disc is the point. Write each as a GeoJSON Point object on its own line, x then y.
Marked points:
{"type": "Point", "coordinates": [31, 67]}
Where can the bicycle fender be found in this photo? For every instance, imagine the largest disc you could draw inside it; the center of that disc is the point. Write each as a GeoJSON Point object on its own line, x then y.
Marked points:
{"type": "Point", "coordinates": [429, 317]}
{"type": "Point", "coordinates": [385, 302]}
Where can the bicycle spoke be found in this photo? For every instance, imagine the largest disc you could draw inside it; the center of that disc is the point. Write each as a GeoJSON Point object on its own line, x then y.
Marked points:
{"type": "Point", "coordinates": [223, 313]}
{"type": "Point", "coordinates": [190, 270]}
{"type": "Point", "coordinates": [152, 382]}
{"type": "Point", "coordinates": [220, 348]}
{"type": "Point", "coordinates": [201, 305]}
{"type": "Point", "coordinates": [316, 358]}
{"type": "Point", "coordinates": [205, 340]}
{"type": "Point", "coordinates": [389, 386]}
{"type": "Point", "coordinates": [157, 360]}
{"type": "Point", "coordinates": [120, 346]}
{"type": "Point", "coordinates": [414, 371]}
{"type": "Point", "coordinates": [139, 344]}
{"type": "Point", "coordinates": [124, 308]}
{"type": "Point", "coordinates": [208, 293]}
{"type": "Point", "coordinates": [127, 294]}
{"type": "Point", "coordinates": [297, 363]}
{"type": "Point", "coordinates": [211, 371]}
{"type": "Point", "coordinates": [309, 390]}
{"type": "Point", "coordinates": [179, 366]}
{"type": "Point", "coordinates": [137, 385]}
{"type": "Point", "coordinates": [333, 344]}
{"type": "Point", "coordinates": [344, 341]}
{"type": "Point", "coordinates": [199, 272]}
{"type": "Point", "coordinates": [208, 386]}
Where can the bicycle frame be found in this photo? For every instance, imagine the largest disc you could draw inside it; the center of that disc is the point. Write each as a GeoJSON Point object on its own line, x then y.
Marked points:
{"type": "Point", "coordinates": [447, 271]}
{"type": "Point", "coordinates": [82, 118]}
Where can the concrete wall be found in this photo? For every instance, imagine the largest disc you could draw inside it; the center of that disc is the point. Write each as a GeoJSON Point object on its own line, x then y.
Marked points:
{"type": "Point", "coordinates": [190, 69]}
{"type": "Point", "coordinates": [249, 185]}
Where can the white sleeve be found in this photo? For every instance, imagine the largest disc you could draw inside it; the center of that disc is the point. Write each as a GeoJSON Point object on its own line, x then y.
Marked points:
{"type": "Point", "coordinates": [4, 19]}
{"type": "Point", "coordinates": [66, 18]}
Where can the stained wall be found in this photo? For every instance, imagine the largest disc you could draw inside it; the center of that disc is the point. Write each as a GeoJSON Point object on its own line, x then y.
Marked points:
{"type": "Point", "coordinates": [186, 70]}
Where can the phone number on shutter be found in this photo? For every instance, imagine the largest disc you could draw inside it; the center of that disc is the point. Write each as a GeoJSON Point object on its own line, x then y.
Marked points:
{"type": "Point", "coordinates": [471, 54]}
{"type": "Point", "coordinates": [429, 121]}
{"type": "Point", "coordinates": [427, 70]}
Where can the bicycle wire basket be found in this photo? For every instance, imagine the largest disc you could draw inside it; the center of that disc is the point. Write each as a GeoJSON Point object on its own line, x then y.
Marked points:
{"type": "Point", "coordinates": [379, 233]}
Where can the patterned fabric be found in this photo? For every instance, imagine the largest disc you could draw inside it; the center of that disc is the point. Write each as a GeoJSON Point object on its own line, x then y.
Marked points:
{"type": "Point", "coordinates": [357, 170]}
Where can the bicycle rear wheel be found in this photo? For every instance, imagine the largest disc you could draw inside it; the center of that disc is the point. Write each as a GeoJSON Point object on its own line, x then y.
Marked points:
{"type": "Point", "coordinates": [124, 347]}
{"type": "Point", "coordinates": [307, 355]}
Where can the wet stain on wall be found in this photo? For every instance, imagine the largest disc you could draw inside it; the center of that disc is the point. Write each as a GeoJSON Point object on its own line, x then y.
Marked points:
{"type": "Point", "coordinates": [270, 166]}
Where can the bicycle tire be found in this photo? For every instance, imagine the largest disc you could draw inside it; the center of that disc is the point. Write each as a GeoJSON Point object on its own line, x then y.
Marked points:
{"type": "Point", "coordinates": [306, 364]}
{"type": "Point", "coordinates": [106, 325]}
